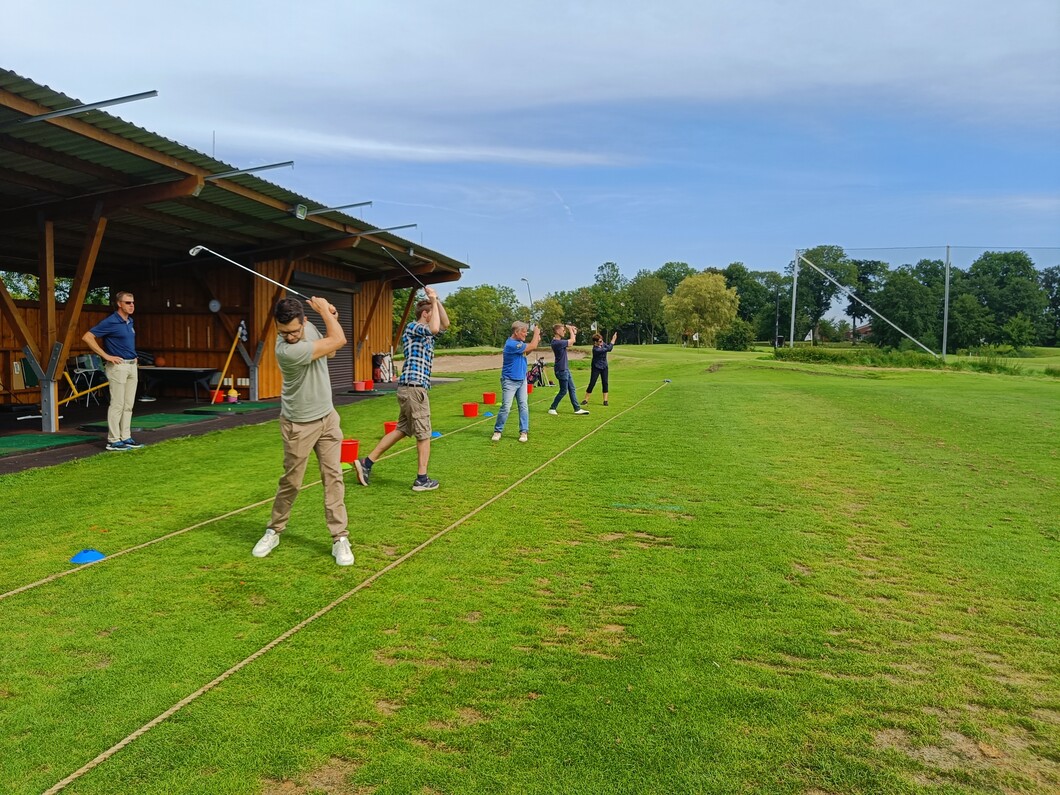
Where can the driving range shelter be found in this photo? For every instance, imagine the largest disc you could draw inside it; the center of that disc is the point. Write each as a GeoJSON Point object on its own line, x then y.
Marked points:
{"type": "Point", "coordinates": [91, 202]}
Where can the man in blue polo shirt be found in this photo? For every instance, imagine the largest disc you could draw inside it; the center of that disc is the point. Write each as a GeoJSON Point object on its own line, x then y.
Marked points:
{"type": "Point", "coordinates": [414, 406]}
{"type": "Point", "coordinates": [114, 339]}
{"type": "Point", "coordinates": [513, 378]}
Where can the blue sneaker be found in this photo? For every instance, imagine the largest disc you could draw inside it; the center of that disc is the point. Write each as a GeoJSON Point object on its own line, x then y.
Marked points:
{"type": "Point", "coordinates": [117, 446]}
{"type": "Point", "coordinates": [426, 484]}
{"type": "Point", "coordinates": [132, 444]}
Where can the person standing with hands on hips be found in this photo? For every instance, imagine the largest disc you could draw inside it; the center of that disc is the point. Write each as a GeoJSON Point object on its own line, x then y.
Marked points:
{"type": "Point", "coordinates": [414, 406]}
{"type": "Point", "coordinates": [114, 340]}
{"type": "Point", "coordinates": [562, 368]}
{"type": "Point", "coordinates": [599, 369]}
{"type": "Point", "coordinates": [308, 421]}
{"type": "Point", "coordinates": [513, 378]}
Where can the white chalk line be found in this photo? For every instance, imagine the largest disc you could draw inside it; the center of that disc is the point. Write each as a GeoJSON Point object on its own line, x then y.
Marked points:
{"type": "Point", "coordinates": [104, 756]}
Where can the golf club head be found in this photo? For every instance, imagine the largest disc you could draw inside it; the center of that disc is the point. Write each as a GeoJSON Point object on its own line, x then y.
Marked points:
{"type": "Point", "coordinates": [195, 250]}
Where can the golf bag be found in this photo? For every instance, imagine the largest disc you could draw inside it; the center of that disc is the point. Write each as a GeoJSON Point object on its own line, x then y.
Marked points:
{"type": "Point", "coordinates": [536, 374]}
{"type": "Point", "coordinates": [382, 368]}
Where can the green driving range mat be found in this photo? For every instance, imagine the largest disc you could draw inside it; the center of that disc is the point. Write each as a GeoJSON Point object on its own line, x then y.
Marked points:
{"type": "Point", "coordinates": [232, 408]}
{"type": "Point", "coordinates": [21, 442]}
{"type": "Point", "coordinates": [147, 422]}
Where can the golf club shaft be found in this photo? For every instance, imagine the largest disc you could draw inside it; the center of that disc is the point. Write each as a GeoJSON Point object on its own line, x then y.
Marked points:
{"type": "Point", "coordinates": [254, 272]}
{"type": "Point", "coordinates": [399, 262]}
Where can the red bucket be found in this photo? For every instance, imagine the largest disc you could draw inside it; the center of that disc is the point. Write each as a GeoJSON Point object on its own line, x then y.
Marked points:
{"type": "Point", "coordinates": [217, 396]}
{"type": "Point", "coordinates": [369, 385]}
{"type": "Point", "coordinates": [529, 388]}
{"type": "Point", "coordinates": [349, 451]}
{"type": "Point", "coordinates": [390, 427]}
{"type": "Point", "coordinates": [489, 397]}
{"type": "Point", "coordinates": [471, 409]}
{"type": "Point", "coordinates": [358, 386]}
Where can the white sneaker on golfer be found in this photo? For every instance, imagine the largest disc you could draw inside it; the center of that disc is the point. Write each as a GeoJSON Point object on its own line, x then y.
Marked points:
{"type": "Point", "coordinates": [522, 437]}
{"type": "Point", "coordinates": [496, 436]}
{"type": "Point", "coordinates": [342, 553]}
{"type": "Point", "coordinates": [581, 411]}
{"type": "Point", "coordinates": [267, 544]}
{"type": "Point", "coordinates": [553, 411]}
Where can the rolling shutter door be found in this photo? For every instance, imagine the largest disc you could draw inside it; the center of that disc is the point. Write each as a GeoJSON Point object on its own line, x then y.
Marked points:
{"type": "Point", "coordinates": [340, 369]}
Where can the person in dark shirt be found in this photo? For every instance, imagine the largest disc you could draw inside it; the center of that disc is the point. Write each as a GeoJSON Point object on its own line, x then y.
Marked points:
{"type": "Point", "coordinates": [599, 368]}
{"type": "Point", "coordinates": [562, 369]}
{"type": "Point", "coordinates": [114, 340]}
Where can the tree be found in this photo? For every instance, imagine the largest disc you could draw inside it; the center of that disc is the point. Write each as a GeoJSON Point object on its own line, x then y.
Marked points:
{"type": "Point", "coordinates": [702, 305]}
{"type": "Point", "coordinates": [1019, 332]}
{"type": "Point", "coordinates": [773, 318]}
{"type": "Point", "coordinates": [909, 305]}
{"type": "Point", "coordinates": [815, 292]}
{"type": "Point", "coordinates": [971, 323]}
{"type": "Point", "coordinates": [611, 298]}
{"type": "Point", "coordinates": [26, 287]}
{"type": "Point", "coordinates": [549, 311]}
{"type": "Point", "coordinates": [737, 337]}
{"type": "Point", "coordinates": [480, 315]}
{"type": "Point", "coordinates": [869, 275]}
{"type": "Point", "coordinates": [673, 273]}
{"type": "Point", "coordinates": [1006, 283]}
{"type": "Point", "coordinates": [753, 293]}
{"type": "Point", "coordinates": [1050, 326]}
{"type": "Point", "coordinates": [646, 292]}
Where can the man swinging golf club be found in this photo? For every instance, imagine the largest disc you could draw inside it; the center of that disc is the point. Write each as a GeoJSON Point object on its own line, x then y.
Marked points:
{"type": "Point", "coordinates": [308, 421]}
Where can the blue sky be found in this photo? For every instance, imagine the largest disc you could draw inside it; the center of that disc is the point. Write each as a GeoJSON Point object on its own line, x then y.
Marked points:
{"type": "Point", "coordinates": [541, 139]}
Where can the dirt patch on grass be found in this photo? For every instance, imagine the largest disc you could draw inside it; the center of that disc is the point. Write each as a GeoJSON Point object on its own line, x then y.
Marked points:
{"type": "Point", "coordinates": [384, 707]}
{"type": "Point", "coordinates": [331, 779]}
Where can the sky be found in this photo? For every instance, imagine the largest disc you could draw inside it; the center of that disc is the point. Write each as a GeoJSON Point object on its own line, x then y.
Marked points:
{"type": "Point", "coordinates": [541, 139]}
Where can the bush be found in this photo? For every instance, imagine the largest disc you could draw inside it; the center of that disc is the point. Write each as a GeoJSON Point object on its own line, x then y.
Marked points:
{"type": "Point", "coordinates": [737, 337]}
{"type": "Point", "coordinates": [874, 357]}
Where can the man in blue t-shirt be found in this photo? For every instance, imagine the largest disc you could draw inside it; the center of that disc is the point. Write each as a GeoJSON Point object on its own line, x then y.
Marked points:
{"type": "Point", "coordinates": [513, 378]}
{"type": "Point", "coordinates": [114, 340]}
{"type": "Point", "coordinates": [562, 369]}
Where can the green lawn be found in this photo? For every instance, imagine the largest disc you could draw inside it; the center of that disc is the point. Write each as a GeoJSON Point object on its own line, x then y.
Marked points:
{"type": "Point", "coordinates": [761, 577]}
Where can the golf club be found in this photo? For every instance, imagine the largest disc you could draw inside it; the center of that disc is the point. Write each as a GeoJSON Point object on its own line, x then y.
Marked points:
{"type": "Point", "coordinates": [399, 262]}
{"type": "Point", "coordinates": [531, 297]}
{"type": "Point", "coordinates": [195, 251]}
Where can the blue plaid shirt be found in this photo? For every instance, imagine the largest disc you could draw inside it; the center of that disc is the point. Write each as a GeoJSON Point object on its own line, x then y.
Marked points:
{"type": "Point", "coordinates": [418, 345]}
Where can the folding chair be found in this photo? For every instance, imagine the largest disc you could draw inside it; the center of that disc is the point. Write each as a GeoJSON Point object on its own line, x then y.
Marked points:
{"type": "Point", "coordinates": [88, 366]}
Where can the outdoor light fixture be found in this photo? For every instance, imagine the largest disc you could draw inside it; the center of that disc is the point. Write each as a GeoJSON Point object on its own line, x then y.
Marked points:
{"type": "Point", "coordinates": [299, 211]}
{"type": "Point", "coordinates": [238, 171]}
{"type": "Point", "coordinates": [55, 114]}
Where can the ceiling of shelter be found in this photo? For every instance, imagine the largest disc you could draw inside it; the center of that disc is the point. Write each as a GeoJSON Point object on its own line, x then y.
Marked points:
{"type": "Point", "coordinates": [159, 201]}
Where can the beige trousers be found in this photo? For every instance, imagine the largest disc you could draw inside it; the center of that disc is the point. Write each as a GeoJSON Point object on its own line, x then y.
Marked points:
{"type": "Point", "coordinates": [122, 378]}
{"type": "Point", "coordinates": [299, 438]}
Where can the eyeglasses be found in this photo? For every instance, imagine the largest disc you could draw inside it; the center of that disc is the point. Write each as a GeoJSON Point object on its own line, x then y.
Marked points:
{"type": "Point", "coordinates": [128, 302]}
{"type": "Point", "coordinates": [292, 333]}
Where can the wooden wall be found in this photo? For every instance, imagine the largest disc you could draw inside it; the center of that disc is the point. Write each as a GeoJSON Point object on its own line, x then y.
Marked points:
{"type": "Point", "coordinates": [173, 320]}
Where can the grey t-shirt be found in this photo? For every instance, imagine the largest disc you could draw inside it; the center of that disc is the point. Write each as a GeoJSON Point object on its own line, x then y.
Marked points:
{"type": "Point", "coordinates": [306, 394]}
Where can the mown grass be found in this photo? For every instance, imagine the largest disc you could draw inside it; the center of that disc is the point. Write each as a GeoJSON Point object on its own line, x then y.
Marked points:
{"type": "Point", "coordinates": [761, 577]}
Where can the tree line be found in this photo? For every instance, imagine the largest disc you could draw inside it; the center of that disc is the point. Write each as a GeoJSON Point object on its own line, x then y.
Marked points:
{"type": "Point", "coordinates": [1001, 299]}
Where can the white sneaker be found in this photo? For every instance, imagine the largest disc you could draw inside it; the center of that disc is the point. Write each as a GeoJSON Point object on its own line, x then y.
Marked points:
{"type": "Point", "coordinates": [342, 553]}
{"type": "Point", "coordinates": [267, 544]}
{"type": "Point", "coordinates": [522, 437]}
{"type": "Point", "coordinates": [496, 436]}
{"type": "Point", "coordinates": [581, 411]}
{"type": "Point", "coordinates": [553, 411]}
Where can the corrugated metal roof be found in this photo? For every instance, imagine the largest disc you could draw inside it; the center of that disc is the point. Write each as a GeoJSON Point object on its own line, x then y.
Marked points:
{"type": "Point", "coordinates": [44, 163]}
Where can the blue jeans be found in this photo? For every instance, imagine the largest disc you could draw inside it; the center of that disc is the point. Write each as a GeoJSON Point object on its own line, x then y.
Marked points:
{"type": "Point", "coordinates": [511, 388]}
{"type": "Point", "coordinates": [566, 385]}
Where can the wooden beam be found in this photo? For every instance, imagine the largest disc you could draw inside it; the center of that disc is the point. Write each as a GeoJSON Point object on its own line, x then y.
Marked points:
{"type": "Point", "coordinates": [270, 318]}
{"type": "Point", "coordinates": [46, 283]}
{"type": "Point", "coordinates": [86, 263]}
{"type": "Point", "coordinates": [111, 200]}
{"type": "Point", "coordinates": [404, 318]}
{"type": "Point", "coordinates": [22, 332]}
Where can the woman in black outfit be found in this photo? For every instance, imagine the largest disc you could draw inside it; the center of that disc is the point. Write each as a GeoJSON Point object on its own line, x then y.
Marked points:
{"type": "Point", "coordinates": [599, 368]}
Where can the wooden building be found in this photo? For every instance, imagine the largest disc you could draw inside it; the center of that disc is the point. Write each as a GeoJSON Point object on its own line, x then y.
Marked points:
{"type": "Point", "coordinates": [87, 196]}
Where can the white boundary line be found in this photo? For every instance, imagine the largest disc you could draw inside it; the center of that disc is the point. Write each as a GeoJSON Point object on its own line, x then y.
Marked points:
{"type": "Point", "coordinates": [323, 611]}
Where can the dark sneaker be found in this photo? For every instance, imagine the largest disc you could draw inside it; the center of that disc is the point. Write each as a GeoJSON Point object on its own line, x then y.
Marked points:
{"type": "Point", "coordinates": [424, 485]}
{"type": "Point", "coordinates": [117, 446]}
{"type": "Point", "coordinates": [586, 403]}
{"type": "Point", "coordinates": [363, 472]}
{"type": "Point", "coordinates": [605, 402]}
{"type": "Point", "coordinates": [132, 444]}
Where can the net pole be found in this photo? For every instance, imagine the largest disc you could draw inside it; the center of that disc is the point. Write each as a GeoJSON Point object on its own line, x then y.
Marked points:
{"type": "Point", "coordinates": [946, 307]}
{"type": "Point", "coordinates": [794, 286]}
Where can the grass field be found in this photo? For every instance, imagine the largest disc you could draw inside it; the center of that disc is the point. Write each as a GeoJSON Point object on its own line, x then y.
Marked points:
{"type": "Point", "coordinates": [761, 577]}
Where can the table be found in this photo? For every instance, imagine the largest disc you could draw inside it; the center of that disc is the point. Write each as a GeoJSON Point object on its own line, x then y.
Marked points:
{"type": "Point", "coordinates": [180, 376]}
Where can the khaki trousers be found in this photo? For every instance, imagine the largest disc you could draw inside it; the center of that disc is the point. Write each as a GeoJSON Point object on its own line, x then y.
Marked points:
{"type": "Point", "coordinates": [122, 378]}
{"type": "Point", "coordinates": [299, 438]}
